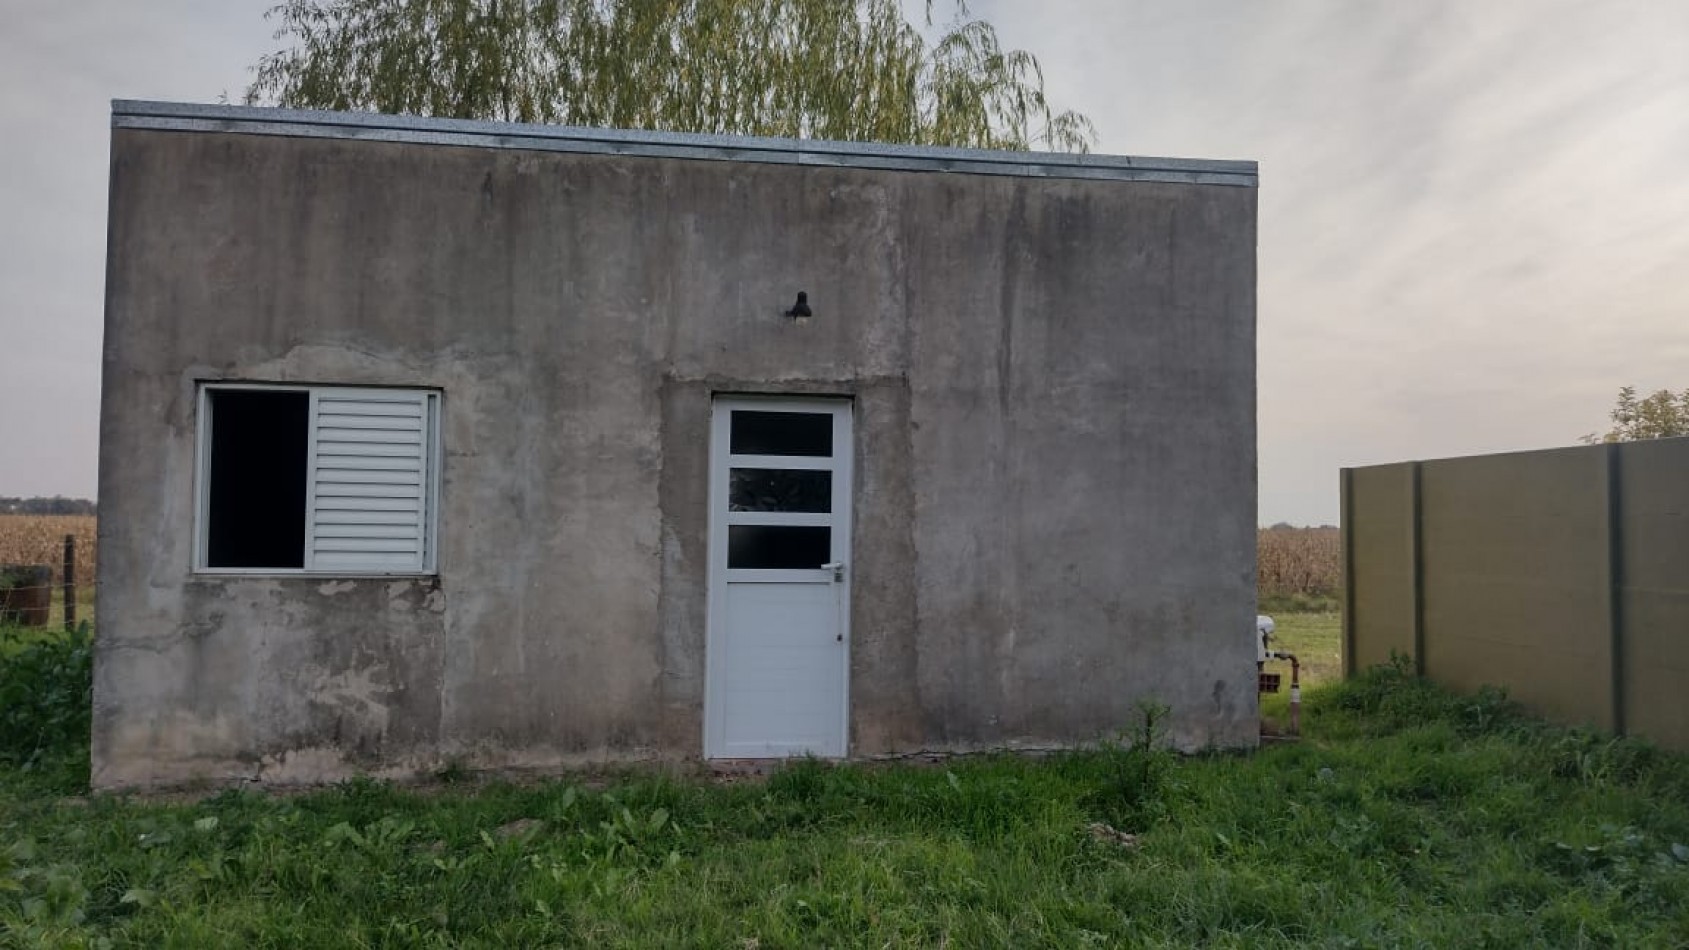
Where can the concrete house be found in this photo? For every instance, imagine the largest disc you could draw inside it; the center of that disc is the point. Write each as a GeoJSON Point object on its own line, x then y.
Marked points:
{"type": "Point", "coordinates": [429, 442]}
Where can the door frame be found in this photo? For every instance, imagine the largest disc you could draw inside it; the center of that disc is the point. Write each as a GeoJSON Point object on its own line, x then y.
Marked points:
{"type": "Point", "coordinates": [843, 410]}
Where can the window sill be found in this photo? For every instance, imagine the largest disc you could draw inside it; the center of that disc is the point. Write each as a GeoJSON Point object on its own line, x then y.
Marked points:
{"type": "Point", "coordinates": [282, 572]}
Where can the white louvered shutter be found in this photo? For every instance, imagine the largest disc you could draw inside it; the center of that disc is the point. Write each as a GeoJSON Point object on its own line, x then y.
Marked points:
{"type": "Point", "coordinates": [368, 492]}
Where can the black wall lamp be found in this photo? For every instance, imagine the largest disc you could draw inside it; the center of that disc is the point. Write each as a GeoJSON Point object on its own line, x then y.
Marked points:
{"type": "Point", "coordinates": [801, 308]}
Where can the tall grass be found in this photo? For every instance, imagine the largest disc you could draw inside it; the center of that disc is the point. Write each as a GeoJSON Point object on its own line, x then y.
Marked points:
{"type": "Point", "coordinates": [1409, 817]}
{"type": "Point", "coordinates": [1299, 569]}
{"type": "Point", "coordinates": [39, 539]}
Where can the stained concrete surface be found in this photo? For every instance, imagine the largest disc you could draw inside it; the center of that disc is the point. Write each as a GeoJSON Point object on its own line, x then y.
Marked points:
{"type": "Point", "coordinates": [1055, 414]}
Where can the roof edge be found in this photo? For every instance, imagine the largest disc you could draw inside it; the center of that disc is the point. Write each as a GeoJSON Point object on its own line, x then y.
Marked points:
{"type": "Point", "coordinates": [374, 126]}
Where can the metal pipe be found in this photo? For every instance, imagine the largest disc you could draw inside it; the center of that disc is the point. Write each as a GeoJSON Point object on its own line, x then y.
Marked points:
{"type": "Point", "coordinates": [1295, 695]}
{"type": "Point", "coordinates": [1295, 689]}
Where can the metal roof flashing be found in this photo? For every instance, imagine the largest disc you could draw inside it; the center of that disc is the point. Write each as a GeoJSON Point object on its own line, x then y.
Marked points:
{"type": "Point", "coordinates": [378, 127]}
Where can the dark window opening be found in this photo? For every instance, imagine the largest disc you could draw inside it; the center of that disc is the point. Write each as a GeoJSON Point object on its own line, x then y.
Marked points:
{"type": "Point", "coordinates": [778, 547]}
{"type": "Point", "coordinates": [781, 433]}
{"type": "Point", "coordinates": [256, 504]}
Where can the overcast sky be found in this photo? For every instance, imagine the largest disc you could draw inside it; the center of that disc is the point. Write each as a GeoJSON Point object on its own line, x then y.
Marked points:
{"type": "Point", "coordinates": [1474, 215]}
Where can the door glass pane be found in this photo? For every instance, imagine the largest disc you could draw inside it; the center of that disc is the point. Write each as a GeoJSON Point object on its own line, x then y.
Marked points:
{"type": "Point", "coordinates": [781, 433]}
{"type": "Point", "coordinates": [780, 489]}
{"type": "Point", "coordinates": [778, 547]}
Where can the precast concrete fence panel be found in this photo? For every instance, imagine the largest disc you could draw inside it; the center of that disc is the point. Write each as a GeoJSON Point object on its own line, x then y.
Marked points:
{"type": "Point", "coordinates": [1561, 575]}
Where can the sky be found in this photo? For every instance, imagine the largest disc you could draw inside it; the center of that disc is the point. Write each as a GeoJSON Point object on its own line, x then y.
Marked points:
{"type": "Point", "coordinates": [1474, 217]}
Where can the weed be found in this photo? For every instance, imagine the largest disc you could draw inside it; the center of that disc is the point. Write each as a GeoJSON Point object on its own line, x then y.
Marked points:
{"type": "Point", "coordinates": [454, 772]}
{"type": "Point", "coordinates": [1392, 698]}
{"type": "Point", "coordinates": [1597, 760]}
{"type": "Point", "coordinates": [1135, 771]}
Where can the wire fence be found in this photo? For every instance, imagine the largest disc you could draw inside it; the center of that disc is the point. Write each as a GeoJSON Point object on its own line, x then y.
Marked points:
{"type": "Point", "coordinates": [53, 611]}
{"type": "Point", "coordinates": [36, 594]}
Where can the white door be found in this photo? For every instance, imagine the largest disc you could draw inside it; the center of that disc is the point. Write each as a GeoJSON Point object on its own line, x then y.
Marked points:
{"type": "Point", "coordinates": [776, 681]}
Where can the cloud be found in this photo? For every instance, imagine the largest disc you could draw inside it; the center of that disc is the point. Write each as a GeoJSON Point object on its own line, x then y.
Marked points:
{"type": "Point", "coordinates": [1472, 214]}
{"type": "Point", "coordinates": [60, 66]}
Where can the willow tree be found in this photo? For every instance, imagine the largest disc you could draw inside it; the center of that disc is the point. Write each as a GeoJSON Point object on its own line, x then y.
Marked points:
{"type": "Point", "coordinates": [854, 70]}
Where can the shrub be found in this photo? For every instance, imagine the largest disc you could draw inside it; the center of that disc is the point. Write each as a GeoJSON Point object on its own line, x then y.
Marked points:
{"type": "Point", "coordinates": [1391, 697]}
{"type": "Point", "coordinates": [46, 688]}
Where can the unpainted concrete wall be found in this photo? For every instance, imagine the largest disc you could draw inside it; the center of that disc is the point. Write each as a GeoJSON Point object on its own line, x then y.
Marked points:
{"type": "Point", "coordinates": [1562, 575]}
{"type": "Point", "coordinates": [1054, 401]}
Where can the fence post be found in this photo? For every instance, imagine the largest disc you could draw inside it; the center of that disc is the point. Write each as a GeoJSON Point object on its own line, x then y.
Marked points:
{"type": "Point", "coordinates": [69, 579]}
{"type": "Point", "coordinates": [1418, 571]}
{"type": "Point", "coordinates": [1346, 483]}
{"type": "Point", "coordinates": [1615, 584]}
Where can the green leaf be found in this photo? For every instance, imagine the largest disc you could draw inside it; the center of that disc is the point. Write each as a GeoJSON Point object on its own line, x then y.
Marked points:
{"type": "Point", "coordinates": [855, 71]}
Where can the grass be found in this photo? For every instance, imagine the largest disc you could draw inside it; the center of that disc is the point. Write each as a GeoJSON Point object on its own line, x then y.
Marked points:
{"type": "Point", "coordinates": [1317, 641]}
{"type": "Point", "coordinates": [1408, 817]}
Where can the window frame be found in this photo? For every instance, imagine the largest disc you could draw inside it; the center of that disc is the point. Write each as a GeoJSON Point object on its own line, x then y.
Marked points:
{"type": "Point", "coordinates": [432, 461]}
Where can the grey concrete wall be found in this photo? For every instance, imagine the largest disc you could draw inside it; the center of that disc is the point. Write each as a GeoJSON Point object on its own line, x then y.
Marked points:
{"type": "Point", "coordinates": [1562, 575]}
{"type": "Point", "coordinates": [1055, 417]}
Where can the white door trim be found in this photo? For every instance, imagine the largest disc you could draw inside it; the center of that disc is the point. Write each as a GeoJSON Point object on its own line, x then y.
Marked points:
{"type": "Point", "coordinates": [721, 460]}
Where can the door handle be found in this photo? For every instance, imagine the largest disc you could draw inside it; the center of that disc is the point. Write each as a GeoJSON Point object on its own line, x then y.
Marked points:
{"type": "Point", "coordinates": [837, 567]}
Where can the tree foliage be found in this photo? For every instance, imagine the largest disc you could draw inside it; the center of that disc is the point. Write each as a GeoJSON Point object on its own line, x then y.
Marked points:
{"type": "Point", "coordinates": [853, 70]}
{"type": "Point", "coordinates": [1657, 416]}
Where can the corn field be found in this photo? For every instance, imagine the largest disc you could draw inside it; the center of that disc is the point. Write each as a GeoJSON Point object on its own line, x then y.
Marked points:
{"type": "Point", "coordinates": [1292, 561]}
{"type": "Point", "coordinates": [1305, 561]}
{"type": "Point", "coordinates": [40, 539]}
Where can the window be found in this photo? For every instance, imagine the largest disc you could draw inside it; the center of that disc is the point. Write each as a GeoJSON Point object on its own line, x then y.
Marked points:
{"type": "Point", "coordinates": [318, 479]}
{"type": "Point", "coordinates": [780, 488]}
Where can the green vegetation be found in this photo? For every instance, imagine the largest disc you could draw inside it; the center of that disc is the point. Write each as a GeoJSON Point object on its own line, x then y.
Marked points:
{"type": "Point", "coordinates": [46, 678]}
{"type": "Point", "coordinates": [1408, 816]}
{"type": "Point", "coordinates": [39, 505]}
{"type": "Point", "coordinates": [1317, 641]}
{"type": "Point", "coordinates": [829, 69]}
{"type": "Point", "coordinates": [1275, 605]}
{"type": "Point", "coordinates": [1658, 415]}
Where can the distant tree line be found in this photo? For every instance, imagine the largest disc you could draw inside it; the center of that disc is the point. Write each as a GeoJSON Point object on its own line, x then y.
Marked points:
{"type": "Point", "coordinates": [56, 505]}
